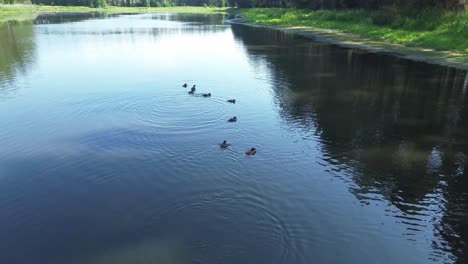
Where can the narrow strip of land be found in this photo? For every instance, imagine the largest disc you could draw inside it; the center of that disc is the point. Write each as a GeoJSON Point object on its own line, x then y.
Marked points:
{"type": "Point", "coordinates": [28, 12]}
{"type": "Point", "coordinates": [442, 38]}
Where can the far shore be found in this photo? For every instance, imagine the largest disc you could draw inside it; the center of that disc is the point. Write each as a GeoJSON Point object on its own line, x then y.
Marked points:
{"type": "Point", "coordinates": [451, 58]}
{"type": "Point", "coordinates": [30, 12]}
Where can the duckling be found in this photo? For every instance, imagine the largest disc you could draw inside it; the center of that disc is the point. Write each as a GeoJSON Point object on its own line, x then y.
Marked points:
{"type": "Point", "coordinates": [206, 95]}
{"type": "Point", "coordinates": [232, 119]}
{"type": "Point", "coordinates": [251, 152]}
{"type": "Point", "coordinates": [232, 101]}
{"type": "Point", "coordinates": [185, 85]}
{"type": "Point", "coordinates": [224, 145]}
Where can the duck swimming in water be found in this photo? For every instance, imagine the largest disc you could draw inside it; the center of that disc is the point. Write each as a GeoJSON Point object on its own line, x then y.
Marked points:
{"type": "Point", "coordinates": [251, 152]}
{"type": "Point", "coordinates": [224, 145]}
{"type": "Point", "coordinates": [232, 119]}
{"type": "Point", "coordinates": [232, 101]}
{"type": "Point", "coordinates": [206, 95]}
{"type": "Point", "coordinates": [185, 85]}
{"type": "Point", "coordinates": [192, 90]}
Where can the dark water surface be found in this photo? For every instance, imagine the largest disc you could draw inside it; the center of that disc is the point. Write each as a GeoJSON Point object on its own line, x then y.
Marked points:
{"type": "Point", "coordinates": [105, 158]}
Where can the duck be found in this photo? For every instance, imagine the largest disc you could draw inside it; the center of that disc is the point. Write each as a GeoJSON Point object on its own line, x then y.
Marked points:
{"type": "Point", "coordinates": [232, 119]}
{"type": "Point", "coordinates": [192, 90]}
{"type": "Point", "coordinates": [232, 101]}
{"type": "Point", "coordinates": [251, 152]}
{"type": "Point", "coordinates": [185, 85]}
{"type": "Point", "coordinates": [224, 145]}
{"type": "Point", "coordinates": [206, 95]}
{"type": "Point", "coordinates": [193, 87]}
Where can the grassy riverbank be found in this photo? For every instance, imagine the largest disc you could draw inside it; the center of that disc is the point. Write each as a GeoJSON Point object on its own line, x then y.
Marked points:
{"type": "Point", "coordinates": [435, 30]}
{"type": "Point", "coordinates": [27, 12]}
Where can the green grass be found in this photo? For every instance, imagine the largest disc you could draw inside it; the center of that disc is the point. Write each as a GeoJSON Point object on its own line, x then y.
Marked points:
{"type": "Point", "coordinates": [16, 16]}
{"type": "Point", "coordinates": [28, 12]}
{"type": "Point", "coordinates": [429, 29]}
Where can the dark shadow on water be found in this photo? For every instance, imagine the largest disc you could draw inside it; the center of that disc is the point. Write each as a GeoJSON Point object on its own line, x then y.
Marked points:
{"type": "Point", "coordinates": [84, 208]}
{"type": "Point", "coordinates": [72, 212]}
{"type": "Point", "coordinates": [399, 127]}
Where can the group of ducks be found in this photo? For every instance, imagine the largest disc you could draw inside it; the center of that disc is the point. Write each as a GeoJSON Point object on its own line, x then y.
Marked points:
{"type": "Point", "coordinates": [223, 145]}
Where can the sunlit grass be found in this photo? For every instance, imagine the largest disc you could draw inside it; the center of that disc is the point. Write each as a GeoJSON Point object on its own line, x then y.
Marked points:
{"type": "Point", "coordinates": [17, 16]}
{"type": "Point", "coordinates": [436, 30]}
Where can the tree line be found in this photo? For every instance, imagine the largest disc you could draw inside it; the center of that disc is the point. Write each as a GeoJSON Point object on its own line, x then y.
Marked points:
{"type": "Point", "coordinates": [309, 4]}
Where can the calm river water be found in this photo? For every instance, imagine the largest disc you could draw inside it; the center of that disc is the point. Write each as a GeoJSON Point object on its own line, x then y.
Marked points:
{"type": "Point", "coordinates": [105, 158]}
